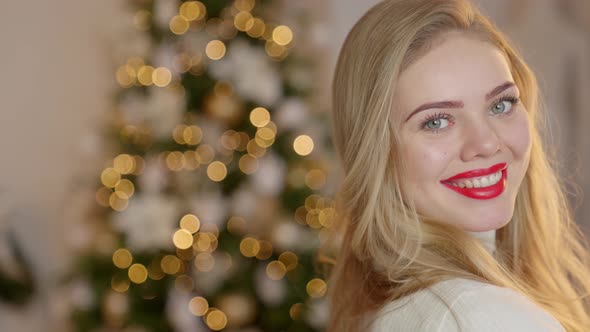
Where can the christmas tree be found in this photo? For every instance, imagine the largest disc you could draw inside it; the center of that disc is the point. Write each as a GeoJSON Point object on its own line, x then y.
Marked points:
{"type": "Point", "coordinates": [210, 211]}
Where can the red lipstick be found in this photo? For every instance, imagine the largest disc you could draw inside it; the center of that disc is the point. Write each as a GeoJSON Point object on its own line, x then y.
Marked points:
{"type": "Point", "coordinates": [484, 192]}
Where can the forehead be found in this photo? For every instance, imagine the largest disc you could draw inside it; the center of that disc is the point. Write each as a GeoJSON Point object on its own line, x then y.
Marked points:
{"type": "Point", "coordinates": [458, 66]}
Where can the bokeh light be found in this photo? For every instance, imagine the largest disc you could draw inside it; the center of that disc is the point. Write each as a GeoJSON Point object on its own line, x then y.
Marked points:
{"type": "Point", "coordinates": [282, 35]}
{"type": "Point", "coordinates": [122, 258]}
{"type": "Point", "coordinates": [198, 306]}
{"type": "Point", "coordinates": [179, 25]}
{"type": "Point", "coordinates": [303, 145]}
{"type": "Point", "coordinates": [215, 49]}
{"type": "Point", "coordinates": [190, 222]}
{"type": "Point", "coordinates": [182, 239]}
{"type": "Point", "coordinates": [216, 319]}
{"type": "Point", "coordinates": [316, 288]}
{"type": "Point", "coordinates": [137, 273]}
{"type": "Point", "coordinates": [276, 270]}
{"type": "Point", "coordinates": [249, 247]}
{"type": "Point", "coordinates": [216, 171]}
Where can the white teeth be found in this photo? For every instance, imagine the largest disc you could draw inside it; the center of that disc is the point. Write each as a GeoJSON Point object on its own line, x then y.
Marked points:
{"type": "Point", "coordinates": [476, 183]}
{"type": "Point", "coordinates": [484, 181]}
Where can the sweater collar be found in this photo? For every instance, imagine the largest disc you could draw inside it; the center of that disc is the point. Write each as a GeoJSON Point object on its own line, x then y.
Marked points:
{"type": "Point", "coordinates": [487, 239]}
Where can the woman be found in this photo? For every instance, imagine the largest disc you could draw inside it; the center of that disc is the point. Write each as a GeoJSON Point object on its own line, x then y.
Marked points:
{"type": "Point", "coordinates": [452, 217]}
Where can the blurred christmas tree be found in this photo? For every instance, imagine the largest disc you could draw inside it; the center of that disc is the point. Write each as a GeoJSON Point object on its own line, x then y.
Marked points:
{"type": "Point", "coordinates": [215, 201]}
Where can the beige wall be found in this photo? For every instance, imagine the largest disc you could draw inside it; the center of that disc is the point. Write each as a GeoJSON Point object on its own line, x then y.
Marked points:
{"type": "Point", "coordinates": [54, 86]}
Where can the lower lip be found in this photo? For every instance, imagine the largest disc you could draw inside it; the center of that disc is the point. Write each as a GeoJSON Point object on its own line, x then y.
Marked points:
{"type": "Point", "coordinates": [482, 193]}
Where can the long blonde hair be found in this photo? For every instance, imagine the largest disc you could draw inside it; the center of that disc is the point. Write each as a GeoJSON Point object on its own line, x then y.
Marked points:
{"type": "Point", "coordinates": [385, 249]}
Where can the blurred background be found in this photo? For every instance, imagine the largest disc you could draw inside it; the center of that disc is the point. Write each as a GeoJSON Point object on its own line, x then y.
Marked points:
{"type": "Point", "coordinates": [167, 164]}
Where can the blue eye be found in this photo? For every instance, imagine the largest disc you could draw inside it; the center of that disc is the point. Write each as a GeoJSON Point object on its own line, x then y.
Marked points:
{"type": "Point", "coordinates": [437, 124]}
{"type": "Point", "coordinates": [437, 121]}
{"type": "Point", "coordinates": [500, 106]}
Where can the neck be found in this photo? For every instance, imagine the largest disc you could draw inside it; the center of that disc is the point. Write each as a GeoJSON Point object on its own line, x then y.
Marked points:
{"type": "Point", "coordinates": [487, 238]}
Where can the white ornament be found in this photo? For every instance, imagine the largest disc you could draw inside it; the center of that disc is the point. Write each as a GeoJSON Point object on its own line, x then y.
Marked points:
{"type": "Point", "coordinates": [210, 207]}
{"type": "Point", "coordinates": [318, 314]}
{"type": "Point", "coordinates": [244, 201]}
{"type": "Point", "coordinates": [164, 11]}
{"type": "Point", "coordinates": [288, 235]}
{"type": "Point", "coordinates": [164, 109]}
{"type": "Point", "coordinates": [269, 179]}
{"type": "Point", "coordinates": [293, 113]}
{"type": "Point", "coordinates": [271, 292]}
{"type": "Point", "coordinates": [148, 222]}
{"type": "Point", "coordinates": [251, 71]}
{"type": "Point", "coordinates": [179, 315]}
{"type": "Point", "coordinates": [154, 176]}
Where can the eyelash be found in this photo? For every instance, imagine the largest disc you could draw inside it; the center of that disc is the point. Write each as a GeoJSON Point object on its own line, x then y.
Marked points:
{"type": "Point", "coordinates": [442, 115]}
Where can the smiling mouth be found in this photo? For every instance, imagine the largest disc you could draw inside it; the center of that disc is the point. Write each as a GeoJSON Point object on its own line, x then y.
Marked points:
{"type": "Point", "coordinates": [481, 183]}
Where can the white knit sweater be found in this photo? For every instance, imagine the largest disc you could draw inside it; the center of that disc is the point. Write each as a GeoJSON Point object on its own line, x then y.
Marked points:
{"type": "Point", "coordinates": [467, 306]}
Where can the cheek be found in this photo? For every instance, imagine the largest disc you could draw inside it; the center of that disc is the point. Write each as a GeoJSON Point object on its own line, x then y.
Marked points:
{"type": "Point", "coordinates": [425, 162]}
{"type": "Point", "coordinates": [517, 136]}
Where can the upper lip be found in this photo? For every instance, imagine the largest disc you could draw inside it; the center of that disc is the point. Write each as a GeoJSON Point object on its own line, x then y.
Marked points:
{"type": "Point", "coordinates": [477, 172]}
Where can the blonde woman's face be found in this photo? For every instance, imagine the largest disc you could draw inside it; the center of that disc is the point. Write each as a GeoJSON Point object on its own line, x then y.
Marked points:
{"type": "Point", "coordinates": [464, 135]}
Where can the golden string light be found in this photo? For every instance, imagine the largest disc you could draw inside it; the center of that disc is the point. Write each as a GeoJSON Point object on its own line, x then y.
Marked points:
{"type": "Point", "coordinates": [192, 10]}
{"type": "Point", "coordinates": [137, 273]}
{"type": "Point", "coordinates": [204, 262]}
{"type": "Point", "coordinates": [254, 149]}
{"type": "Point", "coordinates": [249, 247]}
{"type": "Point", "coordinates": [179, 25]}
{"type": "Point", "coordinates": [125, 188]}
{"type": "Point", "coordinates": [248, 164]}
{"type": "Point", "coordinates": [315, 179]}
{"type": "Point", "coordinates": [125, 76]}
{"type": "Point", "coordinates": [295, 311]}
{"type": "Point", "coordinates": [184, 283]}
{"type": "Point", "coordinates": [120, 283]}
{"type": "Point", "coordinates": [316, 288]}
{"type": "Point", "coordinates": [144, 75]}
{"type": "Point", "coordinates": [110, 177]}
{"type": "Point", "coordinates": [265, 250]}
{"type": "Point", "coordinates": [170, 264]}
{"type": "Point", "coordinates": [182, 239]}
{"type": "Point", "coordinates": [282, 35]}
{"type": "Point", "coordinates": [289, 259]}
{"type": "Point", "coordinates": [122, 258]}
{"type": "Point", "coordinates": [259, 117]}
{"type": "Point", "coordinates": [236, 225]}
{"type": "Point", "coordinates": [276, 270]}
{"type": "Point", "coordinates": [216, 171]}
{"type": "Point", "coordinates": [155, 270]}
{"type": "Point", "coordinates": [192, 135]}
{"type": "Point", "coordinates": [190, 222]}
{"type": "Point", "coordinates": [198, 306]}
{"type": "Point", "coordinates": [124, 163]}
{"type": "Point", "coordinates": [205, 153]}
{"type": "Point", "coordinates": [102, 196]}
{"type": "Point", "coordinates": [244, 5]}
{"type": "Point", "coordinates": [215, 49]}
{"type": "Point", "coordinates": [161, 77]}
{"type": "Point", "coordinates": [243, 21]}
{"type": "Point", "coordinates": [256, 28]}
{"type": "Point", "coordinates": [216, 319]}
{"type": "Point", "coordinates": [303, 145]}
{"type": "Point", "coordinates": [118, 201]}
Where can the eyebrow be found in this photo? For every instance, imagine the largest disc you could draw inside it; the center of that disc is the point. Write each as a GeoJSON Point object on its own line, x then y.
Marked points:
{"type": "Point", "coordinates": [459, 104]}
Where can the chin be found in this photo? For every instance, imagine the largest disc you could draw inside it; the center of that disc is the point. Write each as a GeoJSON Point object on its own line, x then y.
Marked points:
{"type": "Point", "coordinates": [487, 225]}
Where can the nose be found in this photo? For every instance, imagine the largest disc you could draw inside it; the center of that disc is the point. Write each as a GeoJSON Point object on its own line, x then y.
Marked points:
{"type": "Point", "coordinates": [480, 141]}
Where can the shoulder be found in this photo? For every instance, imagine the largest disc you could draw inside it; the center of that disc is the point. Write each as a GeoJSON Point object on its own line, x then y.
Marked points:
{"type": "Point", "coordinates": [464, 305]}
